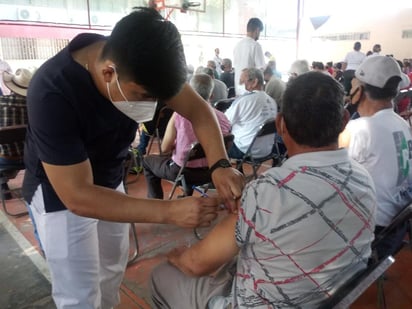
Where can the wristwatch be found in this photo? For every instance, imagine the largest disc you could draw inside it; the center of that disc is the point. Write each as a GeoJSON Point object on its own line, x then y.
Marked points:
{"type": "Point", "coordinates": [224, 163]}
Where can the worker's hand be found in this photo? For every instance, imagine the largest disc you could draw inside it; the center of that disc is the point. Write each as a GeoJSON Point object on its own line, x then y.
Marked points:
{"type": "Point", "coordinates": [193, 211]}
{"type": "Point", "coordinates": [229, 183]}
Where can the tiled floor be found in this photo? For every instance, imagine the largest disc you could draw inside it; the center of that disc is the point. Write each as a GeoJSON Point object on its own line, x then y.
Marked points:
{"type": "Point", "coordinates": [156, 240]}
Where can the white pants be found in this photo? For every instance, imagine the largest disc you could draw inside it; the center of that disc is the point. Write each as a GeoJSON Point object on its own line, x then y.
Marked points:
{"type": "Point", "coordinates": [87, 257]}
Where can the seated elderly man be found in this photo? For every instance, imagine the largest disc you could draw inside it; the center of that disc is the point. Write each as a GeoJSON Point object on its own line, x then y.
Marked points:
{"type": "Point", "coordinates": [248, 112]}
{"type": "Point", "coordinates": [177, 141]}
{"type": "Point", "coordinates": [381, 141]}
{"type": "Point", "coordinates": [220, 90]}
{"type": "Point", "coordinates": [300, 229]}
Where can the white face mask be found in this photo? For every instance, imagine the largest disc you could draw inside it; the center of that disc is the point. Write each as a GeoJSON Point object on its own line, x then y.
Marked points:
{"type": "Point", "coordinates": [139, 111]}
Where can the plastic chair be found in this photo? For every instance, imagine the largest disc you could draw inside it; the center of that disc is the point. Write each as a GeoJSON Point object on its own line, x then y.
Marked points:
{"type": "Point", "coordinates": [196, 152]}
{"type": "Point", "coordinates": [223, 105]}
{"type": "Point", "coordinates": [345, 295]}
{"type": "Point", "coordinates": [265, 134]}
{"type": "Point", "coordinates": [11, 135]}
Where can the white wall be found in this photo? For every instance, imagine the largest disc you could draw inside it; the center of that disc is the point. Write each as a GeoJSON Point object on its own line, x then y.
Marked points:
{"type": "Point", "coordinates": [385, 27]}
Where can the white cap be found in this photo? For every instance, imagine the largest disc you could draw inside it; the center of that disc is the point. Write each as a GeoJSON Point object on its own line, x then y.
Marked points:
{"type": "Point", "coordinates": [376, 71]}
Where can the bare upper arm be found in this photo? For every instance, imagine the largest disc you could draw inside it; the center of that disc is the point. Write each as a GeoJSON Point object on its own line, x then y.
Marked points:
{"type": "Point", "coordinates": [169, 137]}
{"type": "Point", "coordinates": [69, 181]}
{"type": "Point", "coordinates": [206, 256]}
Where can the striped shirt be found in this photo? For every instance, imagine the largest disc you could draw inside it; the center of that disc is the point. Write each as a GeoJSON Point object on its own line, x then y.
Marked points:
{"type": "Point", "coordinates": [301, 228]}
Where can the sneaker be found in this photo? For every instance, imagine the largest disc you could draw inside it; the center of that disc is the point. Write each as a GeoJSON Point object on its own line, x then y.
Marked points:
{"type": "Point", "coordinates": [136, 170]}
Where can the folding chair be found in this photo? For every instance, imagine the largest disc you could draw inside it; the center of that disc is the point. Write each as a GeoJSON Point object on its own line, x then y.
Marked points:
{"type": "Point", "coordinates": [128, 164]}
{"type": "Point", "coordinates": [266, 134]}
{"type": "Point", "coordinates": [196, 152]}
{"type": "Point", "coordinates": [346, 294]}
{"type": "Point", "coordinates": [11, 135]}
{"type": "Point", "coordinates": [160, 127]}
{"type": "Point", "coordinates": [223, 105]}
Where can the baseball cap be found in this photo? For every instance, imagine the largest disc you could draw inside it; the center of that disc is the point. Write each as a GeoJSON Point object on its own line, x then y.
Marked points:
{"type": "Point", "coordinates": [377, 70]}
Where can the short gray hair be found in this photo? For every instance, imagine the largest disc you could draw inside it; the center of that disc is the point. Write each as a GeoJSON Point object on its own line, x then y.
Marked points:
{"type": "Point", "coordinates": [203, 84]}
{"type": "Point", "coordinates": [254, 73]}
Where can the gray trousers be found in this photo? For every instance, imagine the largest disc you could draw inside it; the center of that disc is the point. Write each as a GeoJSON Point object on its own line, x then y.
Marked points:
{"type": "Point", "coordinates": [173, 289]}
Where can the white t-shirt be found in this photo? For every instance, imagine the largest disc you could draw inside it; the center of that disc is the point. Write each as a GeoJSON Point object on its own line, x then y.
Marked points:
{"type": "Point", "coordinates": [353, 59]}
{"type": "Point", "coordinates": [246, 114]}
{"type": "Point", "coordinates": [382, 143]}
{"type": "Point", "coordinates": [248, 53]}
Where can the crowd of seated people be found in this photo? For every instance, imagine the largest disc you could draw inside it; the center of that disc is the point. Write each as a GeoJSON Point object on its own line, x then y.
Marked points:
{"type": "Point", "coordinates": [294, 236]}
{"type": "Point", "coordinates": [220, 263]}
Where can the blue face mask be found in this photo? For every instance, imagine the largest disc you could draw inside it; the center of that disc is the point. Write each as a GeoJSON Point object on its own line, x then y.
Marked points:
{"type": "Point", "coordinates": [139, 111]}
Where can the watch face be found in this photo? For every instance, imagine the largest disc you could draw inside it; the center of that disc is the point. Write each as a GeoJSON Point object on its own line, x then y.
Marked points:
{"type": "Point", "coordinates": [225, 163]}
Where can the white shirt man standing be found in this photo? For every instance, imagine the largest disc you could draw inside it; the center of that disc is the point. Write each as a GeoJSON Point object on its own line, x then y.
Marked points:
{"type": "Point", "coordinates": [248, 52]}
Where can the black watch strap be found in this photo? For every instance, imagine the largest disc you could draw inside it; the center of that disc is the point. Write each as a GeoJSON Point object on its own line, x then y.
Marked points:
{"type": "Point", "coordinates": [224, 163]}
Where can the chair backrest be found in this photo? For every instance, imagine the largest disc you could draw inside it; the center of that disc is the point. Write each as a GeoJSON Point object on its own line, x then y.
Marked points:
{"type": "Point", "coordinates": [404, 215]}
{"type": "Point", "coordinates": [223, 105]}
{"type": "Point", "coordinates": [13, 134]}
{"type": "Point", "coordinates": [346, 294]}
{"type": "Point", "coordinates": [160, 123]}
{"type": "Point", "coordinates": [264, 136]}
{"type": "Point", "coordinates": [197, 152]}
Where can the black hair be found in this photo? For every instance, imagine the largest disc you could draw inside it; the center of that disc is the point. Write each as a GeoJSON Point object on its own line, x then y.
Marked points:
{"type": "Point", "coordinates": [313, 109]}
{"type": "Point", "coordinates": [357, 46]}
{"type": "Point", "coordinates": [318, 65]}
{"type": "Point", "coordinates": [148, 50]}
{"type": "Point", "coordinates": [389, 91]}
{"type": "Point", "coordinates": [254, 24]}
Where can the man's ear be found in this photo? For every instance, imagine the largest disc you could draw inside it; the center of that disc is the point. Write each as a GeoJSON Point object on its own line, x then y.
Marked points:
{"type": "Point", "coordinates": [254, 83]}
{"type": "Point", "coordinates": [357, 95]}
{"type": "Point", "coordinates": [108, 71]}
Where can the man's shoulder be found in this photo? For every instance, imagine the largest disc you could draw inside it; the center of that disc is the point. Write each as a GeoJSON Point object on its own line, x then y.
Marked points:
{"type": "Point", "coordinates": [248, 96]}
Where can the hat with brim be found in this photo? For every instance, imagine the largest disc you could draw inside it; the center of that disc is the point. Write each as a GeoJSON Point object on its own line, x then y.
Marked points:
{"type": "Point", "coordinates": [377, 70]}
{"type": "Point", "coordinates": [18, 82]}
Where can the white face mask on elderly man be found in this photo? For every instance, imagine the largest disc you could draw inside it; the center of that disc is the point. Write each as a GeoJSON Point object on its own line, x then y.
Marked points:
{"type": "Point", "coordinates": [139, 111]}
